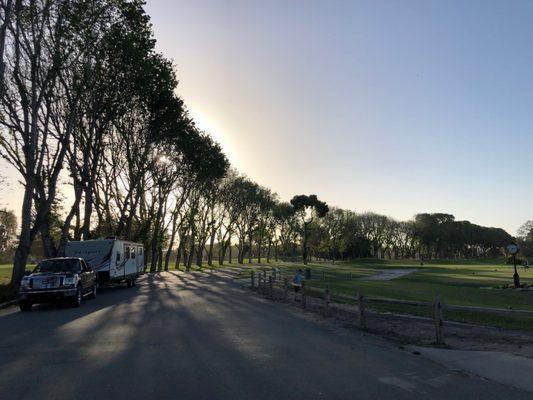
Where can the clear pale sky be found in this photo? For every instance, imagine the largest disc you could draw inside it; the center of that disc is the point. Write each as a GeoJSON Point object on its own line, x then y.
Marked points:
{"type": "Point", "coordinates": [397, 107]}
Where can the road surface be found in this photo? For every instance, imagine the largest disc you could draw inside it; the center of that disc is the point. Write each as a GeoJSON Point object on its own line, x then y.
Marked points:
{"type": "Point", "coordinates": [178, 336]}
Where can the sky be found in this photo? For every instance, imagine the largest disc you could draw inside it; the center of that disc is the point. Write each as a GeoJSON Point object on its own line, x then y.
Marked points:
{"type": "Point", "coordinates": [396, 107]}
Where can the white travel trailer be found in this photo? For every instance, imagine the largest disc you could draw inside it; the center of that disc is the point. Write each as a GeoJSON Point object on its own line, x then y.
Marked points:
{"type": "Point", "coordinates": [114, 260]}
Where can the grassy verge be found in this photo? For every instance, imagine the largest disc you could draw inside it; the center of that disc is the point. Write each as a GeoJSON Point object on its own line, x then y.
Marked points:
{"type": "Point", "coordinates": [6, 292]}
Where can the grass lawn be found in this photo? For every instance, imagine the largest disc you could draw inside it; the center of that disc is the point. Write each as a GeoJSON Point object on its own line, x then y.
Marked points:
{"type": "Point", "coordinates": [471, 283]}
{"type": "Point", "coordinates": [5, 277]}
{"type": "Point", "coordinates": [5, 273]}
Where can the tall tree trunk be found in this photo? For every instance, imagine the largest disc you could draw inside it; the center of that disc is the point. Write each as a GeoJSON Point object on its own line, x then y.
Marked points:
{"type": "Point", "coordinates": [68, 220]}
{"type": "Point", "coordinates": [23, 248]}
{"type": "Point", "coordinates": [305, 244]}
{"type": "Point", "coordinates": [269, 250]}
{"type": "Point", "coordinates": [88, 209]}
{"type": "Point", "coordinates": [191, 251]}
{"type": "Point", "coordinates": [200, 255]}
{"type": "Point", "coordinates": [178, 255]}
{"type": "Point", "coordinates": [211, 245]}
{"type": "Point", "coordinates": [155, 237]}
{"type": "Point", "coordinates": [77, 227]}
{"type": "Point", "coordinates": [250, 249]}
{"type": "Point", "coordinates": [240, 251]}
{"type": "Point", "coordinates": [226, 244]}
{"type": "Point", "coordinates": [160, 257]}
{"type": "Point", "coordinates": [47, 240]}
{"type": "Point", "coordinates": [3, 32]}
{"type": "Point", "coordinates": [172, 239]}
{"type": "Point", "coordinates": [185, 257]}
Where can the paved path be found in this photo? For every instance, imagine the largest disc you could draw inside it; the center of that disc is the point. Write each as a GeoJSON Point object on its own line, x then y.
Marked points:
{"type": "Point", "coordinates": [388, 274]}
{"type": "Point", "coordinates": [501, 367]}
{"type": "Point", "coordinates": [203, 337]}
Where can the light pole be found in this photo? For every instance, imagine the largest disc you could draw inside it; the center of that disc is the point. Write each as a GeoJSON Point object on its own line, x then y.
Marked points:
{"type": "Point", "coordinates": [514, 249]}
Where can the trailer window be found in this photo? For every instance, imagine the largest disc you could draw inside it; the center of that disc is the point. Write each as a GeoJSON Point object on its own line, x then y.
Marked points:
{"type": "Point", "coordinates": [126, 252]}
{"type": "Point", "coordinates": [133, 252]}
{"type": "Point", "coordinates": [140, 251]}
{"type": "Point", "coordinates": [118, 258]}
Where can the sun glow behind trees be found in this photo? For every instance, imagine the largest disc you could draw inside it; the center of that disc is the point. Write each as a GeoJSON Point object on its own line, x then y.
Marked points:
{"type": "Point", "coordinates": [90, 103]}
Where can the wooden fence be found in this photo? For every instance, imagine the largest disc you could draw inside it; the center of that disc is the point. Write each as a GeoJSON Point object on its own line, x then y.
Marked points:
{"type": "Point", "coordinates": [273, 285]}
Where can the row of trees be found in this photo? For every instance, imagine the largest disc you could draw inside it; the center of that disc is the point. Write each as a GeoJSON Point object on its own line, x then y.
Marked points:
{"type": "Point", "coordinates": [345, 234]}
{"type": "Point", "coordinates": [88, 113]}
{"type": "Point", "coordinates": [239, 211]}
{"type": "Point", "coordinates": [104, 147]}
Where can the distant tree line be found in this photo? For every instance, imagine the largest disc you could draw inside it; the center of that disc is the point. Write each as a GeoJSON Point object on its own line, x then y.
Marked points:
{"type": "Point", "coordinates": [90, 119]}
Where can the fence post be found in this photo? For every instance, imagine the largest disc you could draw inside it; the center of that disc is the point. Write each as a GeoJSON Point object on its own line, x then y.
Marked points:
{"type": "Point", "coordinates": [361, 305]}
{"type": "Point", "coordinates": [270, 287]}
{"type": "Point", "coordinates": [351, 276]}
{"type": "Point", "coordinates": [286, 288]}
{"type": "Point", "coordinates": [327, 298]}
{"type": "Point", "coordinates": [304, 297]}
{"type": "Point", "coordinates": [253, 280]}
{"type": "Point", "coordinates": [439, 323]}
{"type": "Point", "coordinates": [323, 275]}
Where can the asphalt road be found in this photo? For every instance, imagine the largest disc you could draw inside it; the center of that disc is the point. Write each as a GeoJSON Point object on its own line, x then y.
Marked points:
{"type": "Point", "coordinates": [202, 337]}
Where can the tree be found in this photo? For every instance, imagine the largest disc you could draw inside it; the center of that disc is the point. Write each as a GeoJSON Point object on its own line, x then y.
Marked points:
{"type": "Point", "coordinates": [373, 228]}
{"type": "Point", "coordinates": [43, 39]}
{"type": "Point", "coordinates": [307, 208]}
{"type": "Point", "coordinates": [8, 228]}
{"type": "Point", "coordinates": [286, 227]}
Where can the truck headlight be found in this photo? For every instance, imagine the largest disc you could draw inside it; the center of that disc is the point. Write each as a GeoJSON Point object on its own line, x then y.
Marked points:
{"type": "Point", "coordinates": [69, 280]}
{"type": "Point", "coordinates": [25, 283]}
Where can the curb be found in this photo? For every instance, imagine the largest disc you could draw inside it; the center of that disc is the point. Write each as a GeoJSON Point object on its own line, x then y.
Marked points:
{"type": "Point", "coordinates": [7, 304]}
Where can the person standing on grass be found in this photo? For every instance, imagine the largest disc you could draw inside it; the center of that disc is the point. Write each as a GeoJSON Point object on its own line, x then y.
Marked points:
{"type": "Point", "coordinates": [297, 280]}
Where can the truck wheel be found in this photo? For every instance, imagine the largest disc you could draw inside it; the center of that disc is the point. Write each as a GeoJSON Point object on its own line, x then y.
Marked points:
{"type": "Point", "coordinates": [25, 306]}
{"type": "Point", "coordinates": [132, 281]}
{"type": "Point", "coordinates": [76, 301]}
{"type": "Point", "coordinates": [94, 290]}
{"type": "Point", "coordinates": [129, 282]}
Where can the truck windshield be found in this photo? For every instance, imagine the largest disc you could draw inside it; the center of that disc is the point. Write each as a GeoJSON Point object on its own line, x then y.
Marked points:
{"type": "Point", "coordinates": [68, 265]}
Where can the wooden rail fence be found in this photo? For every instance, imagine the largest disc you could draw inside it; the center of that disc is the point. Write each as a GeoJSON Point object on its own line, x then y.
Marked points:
{"type": "Point", "coordinates": [271, 284]}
